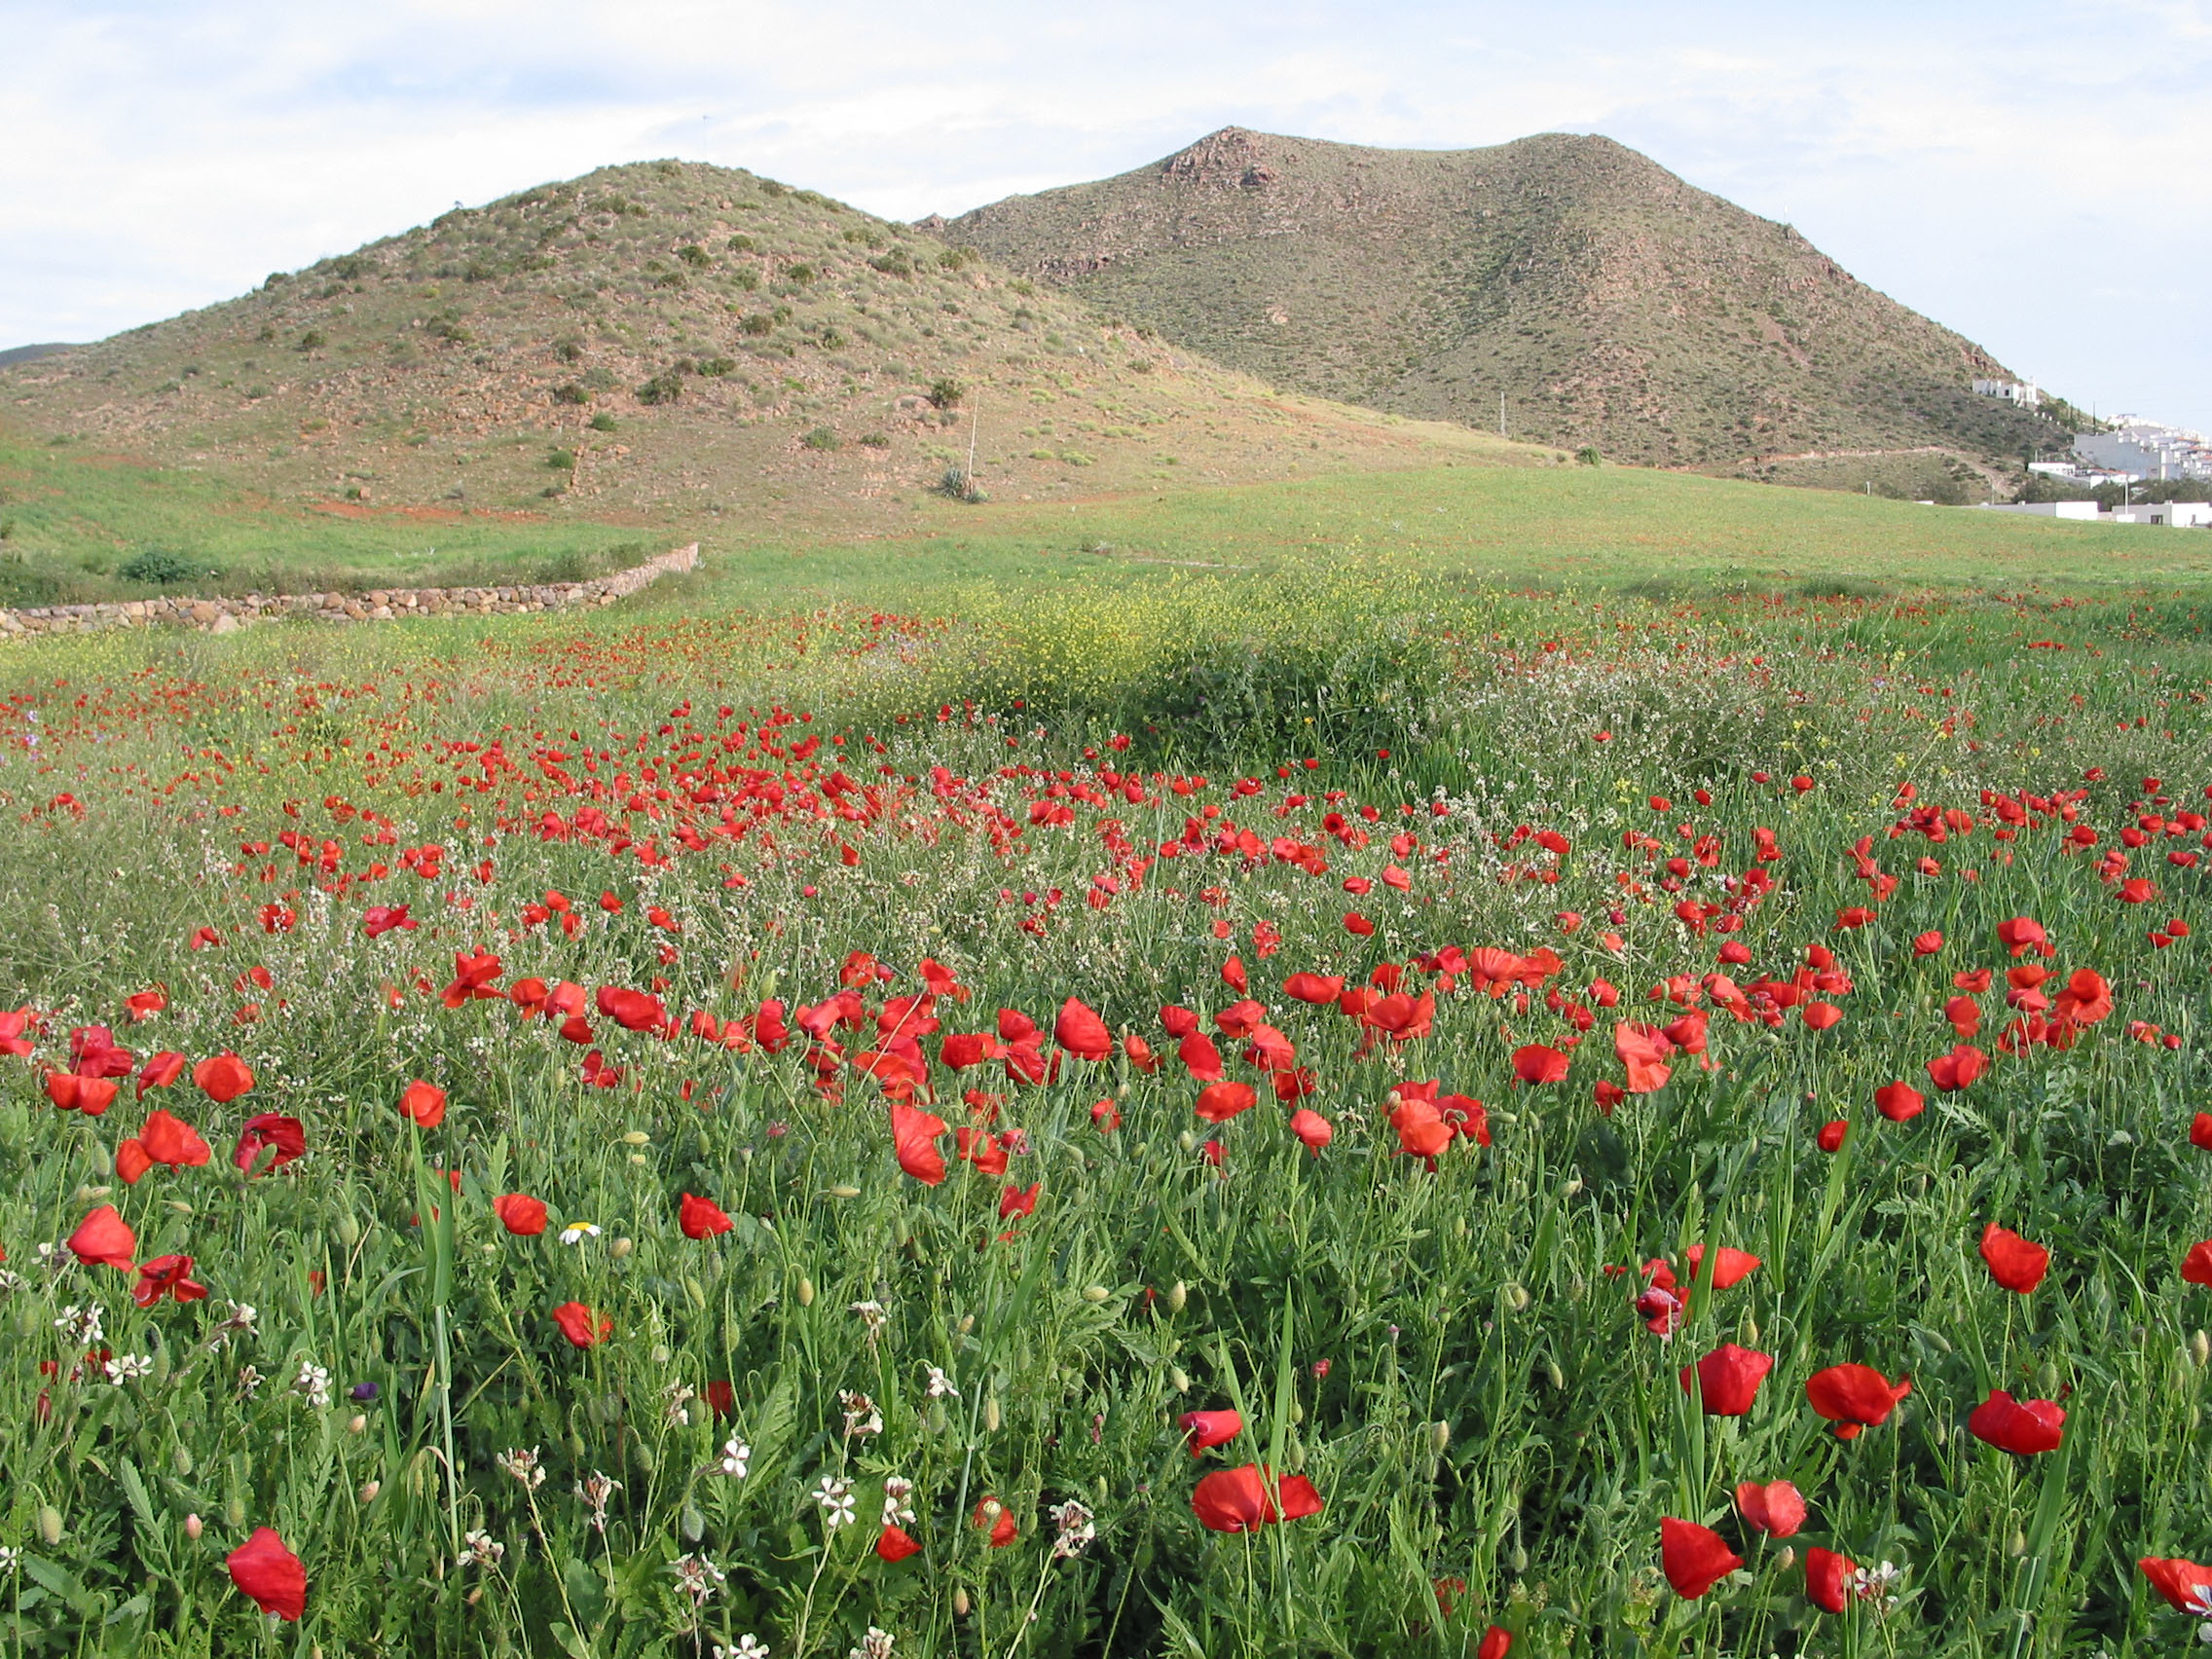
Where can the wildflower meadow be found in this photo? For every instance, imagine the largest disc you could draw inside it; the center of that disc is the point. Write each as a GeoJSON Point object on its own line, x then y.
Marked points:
{"type": "Point", "coordinates": [1223, 1119]}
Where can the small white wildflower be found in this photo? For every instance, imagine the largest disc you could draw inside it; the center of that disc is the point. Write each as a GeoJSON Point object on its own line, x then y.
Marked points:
{"type": "Point", "coordinates": [736, 1458]}
{"type": "Point", "coordinates": [677, 1411]}
{"type": "Point", "coordinates": [876, 1645]}
{"type": "Point", "coordinates": [523, 1465]}
{"type": "Point", "coordinates": [836, 1496]}
{"type": "Point", "coordinates": [860, 1413]}
{"type": "Point", "coordinates": [10, 1558]}
{"type": "Point", "coordinates": [482, 1550]}
{"type": "Point", "coordinates": [10, 1280]}
{"type": "Point", "coordinates": [696, 1576]}
{"type": "Point", "coordinates": [312, 1383]}
{"type": "Point", "coordinates": [596, 1489]}
{"type": "Point", "coordinates": [873, 1314]}
{"type": "Point", "coordinates": [748, 1646]}
{"type": "Point", "coordinates": [249, 1381]}
{"type": "Point", "coordinates": [239, 1322]}
{"type": "Point", "coordinates": [1076, 1527]}
{"type": "Point", "coordinates": [939, 1385]}
{"type": "Point", "coordinates": [897, 1490]}
{"type": "Point", "coordinates": [80, 1324]}
{"type": "Point", "coordinates": [125, 1366]}
{"type": "Point", "coordinates": [577, 1231]}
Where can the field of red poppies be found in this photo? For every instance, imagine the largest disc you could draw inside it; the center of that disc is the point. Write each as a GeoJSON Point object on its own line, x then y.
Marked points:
{"type": "Point", "coordinates": [1257, 1125]}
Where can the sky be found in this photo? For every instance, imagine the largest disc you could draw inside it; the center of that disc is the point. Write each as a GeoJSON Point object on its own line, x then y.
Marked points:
{"type": "Point", "coordinates": [2030, 173]}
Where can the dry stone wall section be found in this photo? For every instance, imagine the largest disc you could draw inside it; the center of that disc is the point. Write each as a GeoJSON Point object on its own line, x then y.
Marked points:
{"type": "Point", "coordinates": [375, 605]}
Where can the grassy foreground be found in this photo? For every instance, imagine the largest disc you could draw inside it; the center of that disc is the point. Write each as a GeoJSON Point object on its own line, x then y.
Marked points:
{"type": "Point", "coordinates": [748, 1131]}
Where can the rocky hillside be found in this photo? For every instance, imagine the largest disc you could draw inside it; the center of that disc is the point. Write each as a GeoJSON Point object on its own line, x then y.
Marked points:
{"type": "Point", "coordinates": [672, 342]}
{"type": "Point", "coordinates": [1611, 303]}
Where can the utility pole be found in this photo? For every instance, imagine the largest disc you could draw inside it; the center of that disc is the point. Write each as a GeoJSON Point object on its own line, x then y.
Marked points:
{"type": "Point", "coordinates": [1501, 414]}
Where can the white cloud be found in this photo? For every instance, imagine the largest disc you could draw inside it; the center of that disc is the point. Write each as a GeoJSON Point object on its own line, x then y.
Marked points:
{"type": "Point", "coordinates": [2010, 170]}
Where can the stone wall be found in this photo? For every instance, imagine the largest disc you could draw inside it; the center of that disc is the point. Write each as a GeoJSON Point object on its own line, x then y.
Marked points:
{"type": "Point", "coordinates": [375, 605]}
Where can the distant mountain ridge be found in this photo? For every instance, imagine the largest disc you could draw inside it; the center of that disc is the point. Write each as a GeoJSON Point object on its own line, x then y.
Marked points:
{"type": "Point", "coordinates": [1609, 302]}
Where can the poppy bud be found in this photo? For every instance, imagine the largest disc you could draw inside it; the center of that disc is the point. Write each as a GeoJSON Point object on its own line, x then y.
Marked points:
{"type": "Point", "coordinates": [1095, 1294]}
{"type": "Point", "coordinates": [2201, 1349]}
{"type": "Point", "coordinates": [1186, 1141]}
{"type": "Point", "coordinates": [181, 1461]}
{"type": "Point", "coordinates": [357, 1423]}
{"type": "Point", "coordinates": [622, 1247]}
{"type": "Point", "coordinates": [1518, 1561]}
{"type": "Point", "coordinates": [1788, 1559]}
{"type": "Point", "coordinates": [693, 1524]}
{"type": "Point", "coordinates": [1516, 1298]}
{"type": "Point", "coordinates": [960, 1602]}
{"type": "Point", "coordinates": [967, 1323]}
{"type": "Point", "coordinates": [1178, 1294]}
{"type": "Point", "coordinates": [194, 1527]}
{"type": "Point", "coordinates": [2017, 1543]}
{"type": "Point", "coordinates": [369, 1491]}
{"type": "Point", "coordinates": [349, 1230]}
{"type": "Point", "coordinates": [50, 1525]}
{"type": "Point", "coordinates": [806, 1293]}
{"type": "Point", "coordinates": [1179, 1378]}
{"type": "Point", "coordinates": [1439, 1438]}
{"type": "Point", "coordinates": [233, 1512]}
{"type": "Point", "coordinates": [637, 1138]}
{"type": "Point", "coordinates": [1554, 1374]}
{"type": "Point", "coordinates": [991, 1414]}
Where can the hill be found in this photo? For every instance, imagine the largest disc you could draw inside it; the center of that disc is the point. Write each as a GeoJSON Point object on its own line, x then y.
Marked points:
{"type": "Point", "coordinates": [1607, 301]}
{"type": "Point", "coordinates": [660, 345]}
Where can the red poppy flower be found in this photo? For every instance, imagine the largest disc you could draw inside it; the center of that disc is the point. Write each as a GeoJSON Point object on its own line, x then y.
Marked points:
{"type": "Point", "coordinates": [166, 1275]}
{"type": "Point", "coordinates": [1081, 1033]}
{"type": "Point", "coordinates": [1828, 1579]}
{"type": "Point", "coordinates": [1218, 1102]}
{"type": "Point", "coordinates": [1608, 1096]}
{"type": "Point", "coordinates": [1232, 976]}
{"type": "Point", "coordinates": [1776, 1508]}
{"type": "Point", "coordinates": [1957, 1069]}
{"type": "Point", "coordinates": [1830, 1137]}
{"type": "Point", "coordinates": [1730, 1266]}
{"type": "Point", "coordinates": [1357, 924]}
{"type": "Point", "coordinates": [1210, 1428]}
{"type": "Point", "coordinates": [2023, 934]}
{"type": "Point", "coordinates": [520, 1213]}
{"type": "Point", "coordinates": [70, 1092]}
{"type": "Point", "coordinates": [268, 1129]}
{"type": "Point", "coordinates": [104, 1237]}
{"type": "Point", "coordinates": [1643, 1051]}
{"type": "Point", "coordinates": [2182, 1582]}
{"type": "Point", "coordinates": [1315, 988]}
{"type": "Point", "coordinates": [379, 919]}
{"type": "Point", "coordinates": [2022, 1426]}
{"type": "Point", "coordinates": [1728, 1379]}
{"type": "Point", "coordinates": [1497, 1642]}
{"type": "Point", "coordinates": [2014, 1262]}
{"type": "Point", "coordinates": [2196, 1266]}
{"type": "Point", "coordinates": [580, 1325]}
{"type": "Point", "coordinates": [1927, 943]}
{"type": "Point", "coordinates": [991, 1513]}
{"type": "Point", "coordinates": [1310, 1126]}
{"type": "Point", "coordinates": [270, 1575]}
{"type": "Point", "coordinates": [633, 1010]}
{"type": "Point", "coordinates": [424, 1102]}
{"type": "Point", "coordinates": [913, 1138]}
{"type": "Point", "coordinates": [1199, 1057]}
{"type": "Point", "coordinates": [1694, 1557]}
{"type": "Point", "coordinates": [223, 1078]}
{"type": "Point", "coordinates": [92, 1053]}
{"type": "Point", "coordinates": [1899, 1102]}
{"type": "Point", "coordinates": [1535, 1064]}
{"type": "Point", "coordinates": [2200, 1132]}
{"type": "Point", "coordinates": [703, 1218]}
{"type": "Point", "coordinates": [162, 1070]}
{"type": "Point", "coordinates": [1854, 1397]}
{"type": "Point", "coordinates": [1237, 1500]}
{"type": "Point", "coordinates": [896, 1545]}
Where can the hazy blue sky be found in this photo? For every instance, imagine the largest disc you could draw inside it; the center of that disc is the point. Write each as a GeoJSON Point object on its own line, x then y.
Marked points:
{"type": "Point", "coordinates": [2035, 173]}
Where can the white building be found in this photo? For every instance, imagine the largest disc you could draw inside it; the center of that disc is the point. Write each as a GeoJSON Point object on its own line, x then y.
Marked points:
{"type": "Point", "coordinates": [2086, 511]}
{"type": "Point", "coordinates": [2026, 393]}
{"type": "Point", "coordinates": [2178, 515]}
{"type": "Point", "coordinates": [2148, 449]}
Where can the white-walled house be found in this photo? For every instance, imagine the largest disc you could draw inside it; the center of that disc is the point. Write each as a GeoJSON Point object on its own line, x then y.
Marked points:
{"type": "Point", "coordinates": [2026, 393]}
